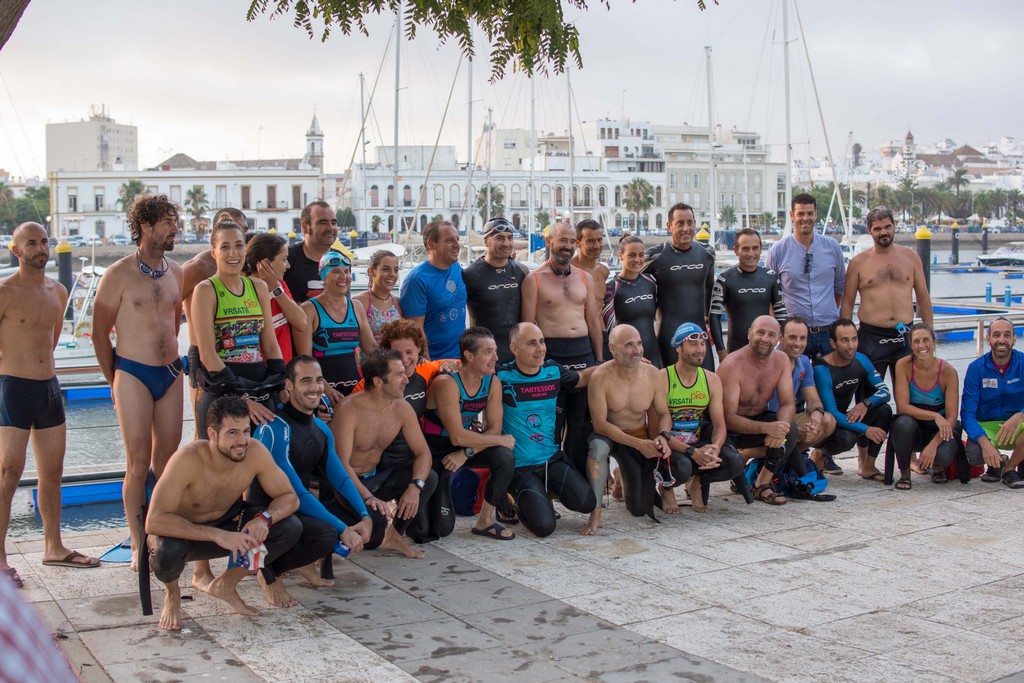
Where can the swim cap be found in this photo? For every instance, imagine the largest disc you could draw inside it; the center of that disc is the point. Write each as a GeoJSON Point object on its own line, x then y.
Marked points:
{"type": "Point", "coordinates": [332, 260]}
{"type": "Point", "coordinates": [496, 225]}
{"type": "Point", "coordinates": [684, 331]}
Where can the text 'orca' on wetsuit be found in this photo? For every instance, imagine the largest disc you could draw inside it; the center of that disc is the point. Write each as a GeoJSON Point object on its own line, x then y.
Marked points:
{"type": "Point", "coordinates": [682, 278]}
{"type": "Point", "coordinates": [634, 302]}
{"type": "Point", "coordinates": [493, 297]}
{"type": "Point", "coordinates": [744, 297]}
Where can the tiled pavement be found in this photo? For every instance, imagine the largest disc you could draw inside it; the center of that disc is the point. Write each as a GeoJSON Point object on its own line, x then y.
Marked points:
{"type": "Point", "coordinates": [878, 585]}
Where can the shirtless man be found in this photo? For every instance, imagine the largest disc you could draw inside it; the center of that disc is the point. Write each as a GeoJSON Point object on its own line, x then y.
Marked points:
{"type": "Point", "coordinates": [367, 425]}
{"type": "Point", "coordinates": [749, 378]}
{"type": "Point", "coordinates": [197, 510]}
{"type": "Point", "coordinates": [590, 237]}
{"type": "Point", "coordinates": [623, 393]}
{"type": "Point", "coordinates": [561, 301]}
{"type": "Point", "coordinates": [139, 298]}
{"type": "Point", "coordinates": [885, 277]}
{"type": "Point", "coordinates": [31, 318]}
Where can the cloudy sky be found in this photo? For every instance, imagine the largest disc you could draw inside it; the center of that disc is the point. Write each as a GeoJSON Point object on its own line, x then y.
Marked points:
{"type": "Point", "coordinates": [195, 77]}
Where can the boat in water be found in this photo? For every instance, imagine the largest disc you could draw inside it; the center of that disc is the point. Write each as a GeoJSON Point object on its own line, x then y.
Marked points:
{"type": "Point", "coordinates": [1010, 254]}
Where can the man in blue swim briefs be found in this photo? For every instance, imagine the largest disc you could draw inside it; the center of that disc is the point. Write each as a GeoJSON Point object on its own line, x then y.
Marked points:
{"type": "Point", "coordinates": [31, 318]}
{"type": "Point", "coordinates": [139, 298]}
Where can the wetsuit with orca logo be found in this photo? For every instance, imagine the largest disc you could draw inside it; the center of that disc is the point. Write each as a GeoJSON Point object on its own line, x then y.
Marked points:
{"type": "Point", "coordinates": [743, 297]}
{"type": "Point", "coordinates": [685, 280]}
{"type": "Point", "coordinates": [634, 302]}
{"type": "Point", "coordinates": [493, 297]}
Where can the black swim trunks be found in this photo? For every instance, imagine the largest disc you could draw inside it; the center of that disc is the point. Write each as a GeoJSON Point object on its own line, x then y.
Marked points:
{"type": "Point", "coordinates": [883, 346]}
{"type": "Point", "coordinates": [30, 403]}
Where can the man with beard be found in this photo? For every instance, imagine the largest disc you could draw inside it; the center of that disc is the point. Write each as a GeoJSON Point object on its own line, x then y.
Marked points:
{"type": "Point", "coordinates": [590, 238]}
{"type": "Point", "coordinates": [31, 319]}
{"type": "Point", "coordinates": [992, 400]}
{"type": "Point", "coordinates": [628, 405]}
{"type": "Point", "coordinates": [886, 277]}
{"type": "Point", "coordinates": [197, 511]}
{"type": "Point", "coordinates": [744, 292]}
{"type": "Point", "coordinates": [139, 298]}
{"type": "Point", "coordinates": [685, 274]}
{"type": "Point", "coordinates": [812, 271]}
{"type": "Point", "coordinates": [749, 378]}
{"type": "Point", "coordinates": [319, 232]}
{"type": "Point", "coordinates": [433, 293]}
{"type": "Point", "coordinates": [560, 300]}
{"type": "Point", "coordinates": [839, 377]}
{"type": "Point", "coordinates": [493, 284]}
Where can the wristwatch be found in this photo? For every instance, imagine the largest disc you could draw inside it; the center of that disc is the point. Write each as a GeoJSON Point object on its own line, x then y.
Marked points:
{"type": "Point", "coordinates": [419, 483]}
{"type": "Point", "coordinates": [819, 409]}
{"type": "Point", "coordinates": [268, 518]}
{"type": "Point", "coordinates": [469, 452]}
{"type": "Point", "coordinates": [277, 291]}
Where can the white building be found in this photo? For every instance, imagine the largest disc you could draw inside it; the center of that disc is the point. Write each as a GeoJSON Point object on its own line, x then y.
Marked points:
{"type": "Point", "coordinates": [95, 144]}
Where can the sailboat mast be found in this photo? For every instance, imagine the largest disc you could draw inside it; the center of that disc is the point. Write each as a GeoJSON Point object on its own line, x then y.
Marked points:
{"type": "Point", "coordinates": [712, 180]}
{"type": "Point", "coordinates": [531, 216]}
{"type": "Point", "coordinates": [362, 140]}
{"type": "Point", "coordinates": [469, 160]}
{"type": "Point", "coordinates": [568, 87]}
{"type": "Point", "coordinates": [396, 226]}
{"type": "Point", "coordinates": [488, 128]}
{"type": "Point", "coordinates": [789, 143]}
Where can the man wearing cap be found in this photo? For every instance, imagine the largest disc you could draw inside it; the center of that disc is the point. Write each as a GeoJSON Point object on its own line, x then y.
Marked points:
{"type": "Point", "coordinates": [319, 232]}
{"type": "Point", "coordinates": [590, 237]}
{"type": "Point", "coordinates": [493, 284]}
{"type": "Point", "coordinates": [434, 295]}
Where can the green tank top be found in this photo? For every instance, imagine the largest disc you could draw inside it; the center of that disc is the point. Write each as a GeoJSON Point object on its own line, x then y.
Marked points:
{"type": "Point", "coordinates": [687, 405]}
{"type": "Point", "coordinates": [238, 323]}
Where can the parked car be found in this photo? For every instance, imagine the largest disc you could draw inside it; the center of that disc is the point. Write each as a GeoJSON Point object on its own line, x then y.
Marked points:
{"type": "Point", "coordinates": [120, 240]}
{"type": "Point", "coordinates": [76, 240]}
{"type": "Point", "coordinates": [94, 241]}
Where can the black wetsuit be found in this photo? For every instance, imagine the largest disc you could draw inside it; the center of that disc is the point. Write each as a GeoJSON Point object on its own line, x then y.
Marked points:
{"type": "Point", "coordinates": [884, 346]}
{"type": "Point", "coordinates": [743, 297]}
{"type": "Point", "coordinates": [303, 275]}
{"type": "Point", "coordinates": [685, 280]}
{"type": "Point", "coordinates": [634, 302]}
{"type": "Point", "coordinates": [493, 297]}
{"type": "Point", "coordinates": [837, 386]}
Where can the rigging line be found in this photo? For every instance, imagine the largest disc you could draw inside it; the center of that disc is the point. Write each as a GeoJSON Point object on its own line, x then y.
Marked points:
{"type": "Point", "coordinates": [31, 151]}
{"type": "Point", "coordinates": [729, 25]}
{"type": "Point", "coordinates": [757, 72]}
{"type": "Point", "coordinates": [17, 160]}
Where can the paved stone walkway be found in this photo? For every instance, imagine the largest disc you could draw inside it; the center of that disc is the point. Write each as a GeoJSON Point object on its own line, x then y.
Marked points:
{"type": "Point", "coordinates": [879, 585]}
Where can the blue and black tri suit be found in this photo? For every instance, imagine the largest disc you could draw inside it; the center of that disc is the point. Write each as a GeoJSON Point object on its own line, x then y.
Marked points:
{"type": "Point", "coordinates": [498, 459]}
{"type": "Point", "coordinates": [910, 434]}
{"type": "Point", "coordinates": [837, 386]}
{"type": "Point", "coordinates": [542, 468]}
{"type": "Point", "coordinates": [334, 347]}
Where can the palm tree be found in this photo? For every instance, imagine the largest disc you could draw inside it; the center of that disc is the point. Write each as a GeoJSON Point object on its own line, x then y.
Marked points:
{"type": "Point", "coordinates": [959, 180]}
{"type": "Point", "coordinates": [997, 199]}
{"type": "Point", "coordinates": [1014, 199]}
{"type": "Point", "coordinates": [128, 192]}
{"type": "Point", "coordinates": [543, 218]}
{"type": "Point", "coordinates": [497, 207]}
{"type": "Point", "coordinates": [767, 219]}
{"type": "Point", "coordinates": [727, 216]}
{"type": "Point", "coordinates": [637, 197]}
{"type": "Point", "coordinates": [197, 203]}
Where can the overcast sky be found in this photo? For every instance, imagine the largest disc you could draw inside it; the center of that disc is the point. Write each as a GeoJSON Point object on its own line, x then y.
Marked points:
{"type": "Point", "coordinates": [195, 77]}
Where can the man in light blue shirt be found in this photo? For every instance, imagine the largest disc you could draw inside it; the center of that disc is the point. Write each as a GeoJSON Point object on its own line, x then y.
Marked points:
{"type": "Point", "coordinates": [434, 295]}
{"type": "Point", "coordinates": [813, 274]}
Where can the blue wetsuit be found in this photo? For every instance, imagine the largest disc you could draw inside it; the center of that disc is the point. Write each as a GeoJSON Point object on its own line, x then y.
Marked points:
{"type": "Point", "coordinates": [837, 386]}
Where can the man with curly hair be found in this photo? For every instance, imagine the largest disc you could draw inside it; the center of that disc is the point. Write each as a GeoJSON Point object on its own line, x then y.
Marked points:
{"type": "Point", "coordinates": [139, 297]}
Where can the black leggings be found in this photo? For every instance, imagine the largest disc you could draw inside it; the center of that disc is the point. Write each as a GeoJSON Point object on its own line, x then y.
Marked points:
{"type": "Point", "coordinates": [573, 412]}
{"type": "Point", "coordinates": [774, 458]}
{"type": "Point", "coordinates": [683, 467]}
{"type": "Point", "coordinates": [532, 485]}
{"type": "Point", "coordinates": [843, 440]}
{"type": "Point", "coordinates": [909, 435]}
{"type": "Point", "coordinates": [498, 459]}
{"type": "Point", "coordinates": [637, 473]}
{"type": "Point", "coordinates": [284, 550]}
{"type": "Point", "coordinates": [391, 485]}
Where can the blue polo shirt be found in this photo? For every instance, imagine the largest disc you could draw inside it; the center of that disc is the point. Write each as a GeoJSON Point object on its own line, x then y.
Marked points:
{"type": "Point", "coordinates": [440, 297]}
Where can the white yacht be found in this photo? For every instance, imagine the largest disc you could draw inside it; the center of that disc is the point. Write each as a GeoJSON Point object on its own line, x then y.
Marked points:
{"type": "Point", "coordinates": [1010, 254]}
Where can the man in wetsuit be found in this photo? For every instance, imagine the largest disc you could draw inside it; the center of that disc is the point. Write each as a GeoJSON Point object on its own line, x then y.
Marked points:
{"type": "Point", "coordinates": [684, 271]}
{"type": "Point", "coordinates": [812, 271]}
{"type": "Point", "coordinates": [303, 447]}
{"type": "Point", "coordinates": [530, 386]}
{"type": "Point", "coordinates": [886, 277]}
{"type": "Point", "coordinates": [319, 232]}
{"type": "Point", "coordinates": [590, 238]}
{"type": "Point", "coordinates": [743, 292]}
{"type": "Point", "coordinates": [31, 319]}
{"type": "Point", "coordinates": [368, 423]}
{"type": "Point", "coordinates": [559, 299]}
{"type": "Point", "coordinates": [493, 284]}
{"type": "Point", "coordinates": [699, 457]}
{"type": "Point", "coordinates": [139, 297]}
{"type": "Point", "coordinates": [433, 293]}
{"type": "Point", "coordinates": [839, 377]}
{"type": "Point", "coordinates": [750, 376]}
{"type": "Point", "coordinates": [624, 394]}
{"type": "Point", "coordinates": [197, 512]}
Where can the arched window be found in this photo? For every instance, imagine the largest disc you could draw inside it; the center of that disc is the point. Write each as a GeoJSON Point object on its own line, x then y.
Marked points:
{"type": "Point", "coordinates": [391, 195]}
{"type": "Point", "coordinates": [587, 198]}
{"type": "Point", "coordinates": [657, 196]}
{"type": "Point", "coordinates": [438, 196]}
{"type": "Point", "coordinates": [515, 220]}
{"type": "Point", "coordinates": [618, 220]}
{"type": "Point", "coordinates": [559, 195]}
{"type": "Point", "coordinates": [374, 197]}
{"type": "Point", "coordinates": [101, 228]}
{"type": "Point", "coordinates": [423, 222]}
{"type": "Point", "coordinates": [657, 221]}
{"type": "Point", "coordinates": [407, 196]}
{"type": "Point", "coordinates": [423, 196]}
{"type": "Point", "coordinates": [515, 199]}
{"type": "Point", "coordinates": [455, 220]}
{"type": "Point", "coordinates": [545, 197]}
{"type": "Point", "coordinates": [618, 195]}
{"type": "Point", "coordinates": [602, 196]}
{"type": "Point", "coordinates": [575, 195]}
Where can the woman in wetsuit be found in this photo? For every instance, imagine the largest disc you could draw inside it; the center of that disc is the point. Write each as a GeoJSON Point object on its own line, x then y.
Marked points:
{"type": "Point", "coordinates": [928, 401]}
{"type": "Point", "coordinates": [631, 298]}
{"type": "Point", "coordinates": [266, 257]}
{"type": "Point", "coordinates": [380, 304]}
{"type": "Point", "coordinates": [238, 351]}
{"type": "Point", "coordinates": [336, 327]}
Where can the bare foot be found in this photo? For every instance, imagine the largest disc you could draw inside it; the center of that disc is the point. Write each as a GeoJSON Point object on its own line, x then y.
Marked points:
{"type": "Point", "coordinates": [818, 458]}
{"type": "Point", "coordinates": [668, 502]}
{"type": "Point", "coordinates": [593, 524]}
{"type": "Point", "coordinates": [394, 541]}
{"type": "Point", "coordinates": [224, 590]}
{"type": "Point", "coordinates": [617, 487]}
{"type": "Point", "coordinates": [276, 594]}
{"type": "Point", "coordinates": [311, 573]}
{"type": "Point", "coordinates": [696, 496]}
{"type": "Point", "coordinates": [201, 575]}
{"type": "Point", "coordinates": [170, 615]}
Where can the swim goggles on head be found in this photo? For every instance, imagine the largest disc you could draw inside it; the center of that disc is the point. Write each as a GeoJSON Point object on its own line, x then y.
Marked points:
{"type": "Point", "coordinates": [332, 260]}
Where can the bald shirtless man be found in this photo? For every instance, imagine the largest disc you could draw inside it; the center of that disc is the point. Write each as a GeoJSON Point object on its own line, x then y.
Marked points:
{"type": "Point", "coordinates": [886, 277]}
{"type": "Point", "coordinates": [139, 298]}
{"type": "Point", "coordinates": [561, 301]}
{"type": "Point", "coordinates": [197, 511]}
{"type": "Point", "coordinates": [31, 318]}
{"type": "Point", "coordinates": [623, 394]}
{"type": "Point", "coordinates": [590, 238]}
{"type": "Point", "coordinates": [368, 422]}
{"type": "Point", "coordinates": [749, 378]}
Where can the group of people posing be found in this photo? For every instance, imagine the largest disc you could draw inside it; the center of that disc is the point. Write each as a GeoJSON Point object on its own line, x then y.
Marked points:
{"type": "Point", "coordinates": [331, 423]}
